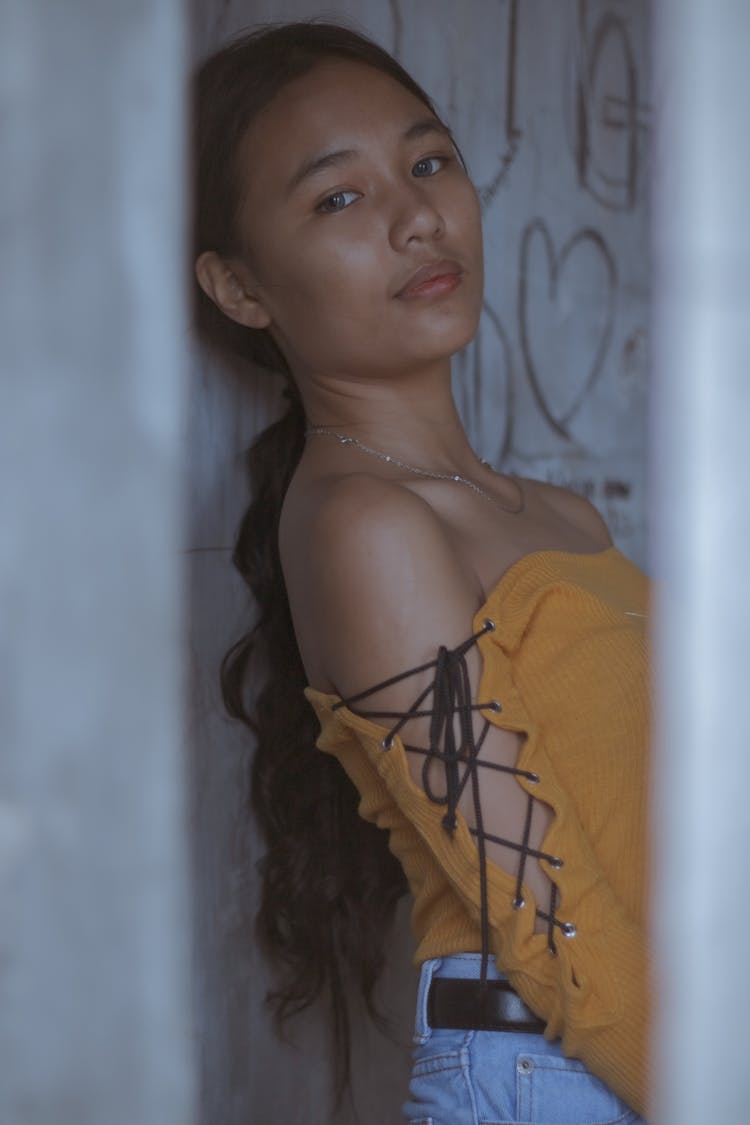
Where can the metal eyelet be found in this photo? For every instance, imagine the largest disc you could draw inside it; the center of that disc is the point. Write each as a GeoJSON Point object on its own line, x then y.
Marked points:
{"type": "Point", "coordinates": [533, 778]}
{"type": "Point", "coordinates": [488, 625]}
{"type": "Point", "coordinates": [556, 862]}
{"type": "Point", "coordinates": [518, 903]}
{"type": "Point", "coordinates": [569, 929]}
{"type": "Point", "coordinates": [496, 705]}
{"type": "Point", "coordinates": [387, 742]}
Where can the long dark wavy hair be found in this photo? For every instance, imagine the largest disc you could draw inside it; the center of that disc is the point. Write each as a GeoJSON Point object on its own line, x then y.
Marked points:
{"type": "Point", "coordinates": [329, 882]}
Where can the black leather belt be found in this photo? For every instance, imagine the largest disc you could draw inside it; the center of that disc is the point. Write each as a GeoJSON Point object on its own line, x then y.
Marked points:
{"type": "Point", "coordinates": [465, 1005]}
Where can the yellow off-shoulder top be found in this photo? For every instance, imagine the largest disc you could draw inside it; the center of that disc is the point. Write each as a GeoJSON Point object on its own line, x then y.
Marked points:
{"type": "Point", "coordinates": [568, 661]}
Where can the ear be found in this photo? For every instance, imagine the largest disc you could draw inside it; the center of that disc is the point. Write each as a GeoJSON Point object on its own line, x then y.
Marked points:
{"type": "Point", "coordinates": [223, 285]}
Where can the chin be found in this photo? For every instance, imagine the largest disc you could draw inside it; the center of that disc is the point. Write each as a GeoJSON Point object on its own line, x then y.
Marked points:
{"type": "Point", "coordinates": [438, 350]}
{"type": "Point", "coordinates": [452, 337]}
{"type": "Point", "coordinates": [467, 336]}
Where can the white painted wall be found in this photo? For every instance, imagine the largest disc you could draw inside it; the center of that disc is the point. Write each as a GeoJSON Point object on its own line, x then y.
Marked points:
{"type": "Point", "coordinates": [549, 100]}
{"type": "Point", "coordinates": [701, 457]}
{"type": "Point", "coordinates": [95, 1015]}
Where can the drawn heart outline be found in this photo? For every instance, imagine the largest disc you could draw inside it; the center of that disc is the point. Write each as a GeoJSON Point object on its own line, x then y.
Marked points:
{"type": "Point", "coordinates": [556, 264]}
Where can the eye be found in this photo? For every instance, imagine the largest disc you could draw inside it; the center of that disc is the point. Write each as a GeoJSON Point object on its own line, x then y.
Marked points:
{"type": "Point", "coordinates": [429, 165]}
{"type": "Point", "coordinates": [337, 202]}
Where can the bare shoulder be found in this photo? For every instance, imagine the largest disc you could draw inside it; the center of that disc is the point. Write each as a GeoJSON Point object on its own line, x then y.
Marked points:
{"type": "Point", "coordinates": [574, 509]}
{"type": "Point", "coordinates": [373, 580]}
{"type": "Point", "coordinates": [358, 523]}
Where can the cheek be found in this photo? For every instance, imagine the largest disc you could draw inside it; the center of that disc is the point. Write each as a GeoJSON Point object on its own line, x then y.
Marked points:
{"type": "Point", "coordinates": [329, 301]}
{"type": "Point", "coordinates": [348, 263]}
{"type": "Point", "coordinates": [332, 279]}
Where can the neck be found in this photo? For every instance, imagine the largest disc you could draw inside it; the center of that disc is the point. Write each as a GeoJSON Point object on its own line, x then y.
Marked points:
{"type": "Point", "coordinates": [414, 419]}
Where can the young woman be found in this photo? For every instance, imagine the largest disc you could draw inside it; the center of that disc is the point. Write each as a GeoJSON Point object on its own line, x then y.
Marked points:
{"type": "Point", "coordinates": [472, 643]}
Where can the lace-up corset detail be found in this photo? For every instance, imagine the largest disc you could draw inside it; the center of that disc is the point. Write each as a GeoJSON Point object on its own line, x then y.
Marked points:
{"type": "Point", "coordinates": [447, 702]}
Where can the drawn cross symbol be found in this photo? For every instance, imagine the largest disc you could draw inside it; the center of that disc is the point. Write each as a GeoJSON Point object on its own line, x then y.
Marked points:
{"type": "Point", "coordinates": [611, 116]}
{"type": "Point", "coordinates": [618, 113]}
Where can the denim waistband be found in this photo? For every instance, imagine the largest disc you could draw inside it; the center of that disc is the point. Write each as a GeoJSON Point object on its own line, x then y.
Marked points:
{"type": "Point", "coordinates": [466, 966]}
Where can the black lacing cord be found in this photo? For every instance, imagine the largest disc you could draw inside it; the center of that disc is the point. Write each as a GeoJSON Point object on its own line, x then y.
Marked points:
{"type": "Point", "coordinates": [450, 689]}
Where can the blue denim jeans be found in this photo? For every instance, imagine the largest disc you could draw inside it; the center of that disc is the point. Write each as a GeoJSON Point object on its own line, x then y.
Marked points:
{"type": "Point", "coordinates": [499, 1077]}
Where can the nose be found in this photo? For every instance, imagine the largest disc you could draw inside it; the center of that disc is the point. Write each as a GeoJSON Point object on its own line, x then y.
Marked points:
{"type": "Point", "coordinates": [416, 218]}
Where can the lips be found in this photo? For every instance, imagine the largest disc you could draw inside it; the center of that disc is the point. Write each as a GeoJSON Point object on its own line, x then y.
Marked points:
{"type": "Point", "coordinates": [432, 279]}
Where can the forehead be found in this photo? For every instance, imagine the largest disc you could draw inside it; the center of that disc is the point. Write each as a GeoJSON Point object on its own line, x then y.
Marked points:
{"type": "Point", "coordinates": [339, 103]}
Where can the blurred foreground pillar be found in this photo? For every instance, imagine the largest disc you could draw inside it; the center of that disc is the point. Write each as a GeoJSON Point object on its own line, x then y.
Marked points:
{"type": "Point", "coordinates": [701, 478]}
{"type": "Point", "coordinates": [94, 910]}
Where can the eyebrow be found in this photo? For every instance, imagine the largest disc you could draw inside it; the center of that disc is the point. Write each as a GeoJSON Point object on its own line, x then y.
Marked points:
{"type": "Point", "coordinates": [336, 157]}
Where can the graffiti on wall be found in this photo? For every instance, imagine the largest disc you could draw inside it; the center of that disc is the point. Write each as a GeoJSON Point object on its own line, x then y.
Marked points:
{"type": "Point", "coordinates": [611, 118]}
{"type": "Point", "coordinates": [585, 252]}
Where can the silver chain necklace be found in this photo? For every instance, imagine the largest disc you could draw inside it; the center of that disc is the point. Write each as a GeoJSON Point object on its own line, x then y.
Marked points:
{"type": "Point", "coordinates": [345, 439]}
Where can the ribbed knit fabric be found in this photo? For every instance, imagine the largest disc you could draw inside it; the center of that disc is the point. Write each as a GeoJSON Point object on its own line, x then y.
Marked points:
{"type": "Point", "coordinates": [568, 661]}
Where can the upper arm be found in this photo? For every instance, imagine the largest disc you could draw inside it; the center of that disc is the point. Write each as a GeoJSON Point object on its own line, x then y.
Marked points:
{"type": "Point", "coordinates": [386, 587]}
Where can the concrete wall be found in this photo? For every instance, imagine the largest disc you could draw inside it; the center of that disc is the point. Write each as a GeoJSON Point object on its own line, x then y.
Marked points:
{"type": "Point", "coordinates": [549, 100]}
{"type": "Point", "coordinates": [701, 543]}
{"type": "Point", "coordinates": [95, 1016]}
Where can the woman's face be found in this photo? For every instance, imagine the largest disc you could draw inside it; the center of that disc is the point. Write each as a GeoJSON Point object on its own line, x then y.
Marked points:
{"type": "Point", "coordinates": [350, 187]}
